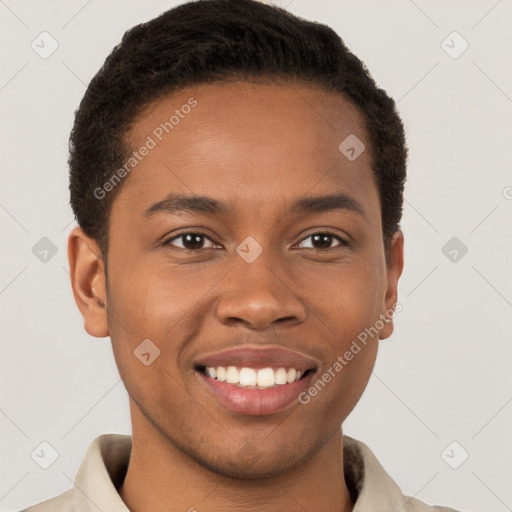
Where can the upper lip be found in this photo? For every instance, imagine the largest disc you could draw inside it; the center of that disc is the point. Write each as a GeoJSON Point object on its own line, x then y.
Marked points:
{"type": "Point", "coordinates": [269, 356]}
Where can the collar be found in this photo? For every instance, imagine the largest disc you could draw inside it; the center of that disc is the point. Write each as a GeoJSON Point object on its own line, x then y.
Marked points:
{"type": "Point", "coordinates": [106, 461]}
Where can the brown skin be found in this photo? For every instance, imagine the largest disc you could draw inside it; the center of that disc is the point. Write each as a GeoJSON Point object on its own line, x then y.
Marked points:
{"type": "Point", "coordinates": [256, 147]}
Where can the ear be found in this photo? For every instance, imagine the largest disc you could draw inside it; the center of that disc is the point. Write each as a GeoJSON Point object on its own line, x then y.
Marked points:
{"type": "Point", "coordinates": [395, 266]}
{"type": "Point", "coordinates": [88, 282]}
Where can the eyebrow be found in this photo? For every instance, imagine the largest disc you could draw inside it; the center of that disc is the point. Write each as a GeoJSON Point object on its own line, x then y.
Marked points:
{"type": "Point", "coordinates": [174, 203]}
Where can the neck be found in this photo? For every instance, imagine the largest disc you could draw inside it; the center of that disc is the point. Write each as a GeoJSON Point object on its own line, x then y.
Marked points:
{"type": "Point", "coordinates": [162, 477]}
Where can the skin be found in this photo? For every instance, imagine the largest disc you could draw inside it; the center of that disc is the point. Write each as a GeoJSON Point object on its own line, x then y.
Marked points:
{"type": "Point", "coordinates": [257, 147]}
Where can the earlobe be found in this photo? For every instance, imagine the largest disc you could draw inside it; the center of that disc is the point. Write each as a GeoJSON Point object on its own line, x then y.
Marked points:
{"type": "Point", "coordinates": [395, 266]}
{"type": "Point", "coordinates": [88, 282]}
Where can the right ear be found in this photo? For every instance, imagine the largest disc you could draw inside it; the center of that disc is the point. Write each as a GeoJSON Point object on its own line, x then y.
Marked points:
{"type": "Point", "coordinates": [88, 282]}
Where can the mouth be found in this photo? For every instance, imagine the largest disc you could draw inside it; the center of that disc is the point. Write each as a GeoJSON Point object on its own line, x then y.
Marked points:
{"type": "Point", "coordinates": [254, 378]}
{"type": "Point", "coordinates": [256, 381]}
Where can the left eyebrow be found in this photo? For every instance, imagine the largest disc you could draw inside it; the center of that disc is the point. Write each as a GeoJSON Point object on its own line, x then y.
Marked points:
{"type": "Point", "coordinates": [318, 204]}
{"type": "Point", "coordinates": [174, 203]}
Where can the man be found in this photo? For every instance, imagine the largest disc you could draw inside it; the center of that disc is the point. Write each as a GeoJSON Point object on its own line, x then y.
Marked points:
{"type": "Point", "coordinates": [237, 177]}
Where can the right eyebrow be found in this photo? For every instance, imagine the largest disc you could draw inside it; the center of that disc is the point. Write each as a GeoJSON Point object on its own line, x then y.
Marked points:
{"type": "Point", "coordinates": [174, 203]}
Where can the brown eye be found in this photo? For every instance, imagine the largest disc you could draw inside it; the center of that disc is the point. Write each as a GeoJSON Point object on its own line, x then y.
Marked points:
{"type": "Point", "coordinates": [191, 241]}
{"type": "Point", "coordinates": [322, 241]}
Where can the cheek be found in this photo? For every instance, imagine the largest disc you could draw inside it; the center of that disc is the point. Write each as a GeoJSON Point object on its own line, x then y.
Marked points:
{"type": "Point", "coordinates": [347, 306]}
{"type": "Point", "coordinates": [338, 385]}
{"type": "Point", "coordinates": [345, 297]}
{"type": "Point", "coordinates": [160, 303]}
{"type": "Point", "coordinates": [147, 299]}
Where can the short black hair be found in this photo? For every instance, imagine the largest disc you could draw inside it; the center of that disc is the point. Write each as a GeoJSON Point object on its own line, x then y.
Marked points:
{"type": "Point", "coordinates": [208, 41]}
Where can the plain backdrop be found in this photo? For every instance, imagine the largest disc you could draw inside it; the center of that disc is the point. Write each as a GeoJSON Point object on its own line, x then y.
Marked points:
{"type": "Point", "coordinates": [443, 377]}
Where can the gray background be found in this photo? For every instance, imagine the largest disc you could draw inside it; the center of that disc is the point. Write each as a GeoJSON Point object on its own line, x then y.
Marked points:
{"type": "Point", "coordinates": [443, 376]}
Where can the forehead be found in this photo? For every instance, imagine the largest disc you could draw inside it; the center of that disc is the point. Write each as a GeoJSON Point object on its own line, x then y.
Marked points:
{"type": "Point", "coordinates": [247, 140]}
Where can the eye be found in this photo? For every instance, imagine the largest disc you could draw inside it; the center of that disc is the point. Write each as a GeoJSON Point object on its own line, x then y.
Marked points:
{"type": "Point", "coordinates": [322, 241]}
{"type": "Point", "coordinates": [191, 241]}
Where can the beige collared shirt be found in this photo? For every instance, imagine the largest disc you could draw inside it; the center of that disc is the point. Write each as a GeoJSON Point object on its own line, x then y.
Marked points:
{"type": "Point", "coordinates": [106, 461]}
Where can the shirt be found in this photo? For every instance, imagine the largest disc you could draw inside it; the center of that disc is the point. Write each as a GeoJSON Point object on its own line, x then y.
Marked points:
{"type": "Point", "coordinates": [106, 462]}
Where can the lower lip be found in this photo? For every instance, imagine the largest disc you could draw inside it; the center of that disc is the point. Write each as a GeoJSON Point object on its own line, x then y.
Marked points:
{"type": "Point", "coordinates": [256, 402]}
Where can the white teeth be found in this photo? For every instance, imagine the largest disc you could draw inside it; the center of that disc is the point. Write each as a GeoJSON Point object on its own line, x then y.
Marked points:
{"type": "Point", "coordinates": [281, 376]}
{"type": "Point", "coordinates": [249, 377]}
{"type": "Point", "coordinates": [221, 373]}
{"type": "Point", "coordinates": [266, 377]}
{"type": "Point", "coordinates": [290, 376]}
{"type": "Point", "coordinates": [232, 375]}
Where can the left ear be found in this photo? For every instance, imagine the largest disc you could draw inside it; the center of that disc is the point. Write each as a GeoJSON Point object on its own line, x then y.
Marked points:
{"type": "Point", "coordinates": [395, 266]}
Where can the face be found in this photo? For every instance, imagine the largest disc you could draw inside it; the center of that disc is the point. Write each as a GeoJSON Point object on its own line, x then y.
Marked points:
{"type": "Point", "coordinates": [257, 260]}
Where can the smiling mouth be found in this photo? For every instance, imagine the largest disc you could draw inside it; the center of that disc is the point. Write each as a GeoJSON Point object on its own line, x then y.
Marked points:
{"type": "Point", "coordinates": [254, 378]}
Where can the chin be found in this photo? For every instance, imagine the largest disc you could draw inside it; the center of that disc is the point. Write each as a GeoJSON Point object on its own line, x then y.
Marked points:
{"type": "Point", "coordinates": [252, 462]}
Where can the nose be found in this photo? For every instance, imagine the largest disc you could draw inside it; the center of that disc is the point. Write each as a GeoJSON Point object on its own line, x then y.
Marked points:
{"type": "Point", "coordinates": [259, 296]}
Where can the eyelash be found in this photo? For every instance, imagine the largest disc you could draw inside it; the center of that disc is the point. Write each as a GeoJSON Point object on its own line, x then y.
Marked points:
{"type": "Point", "coordinates": [343, 243]}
